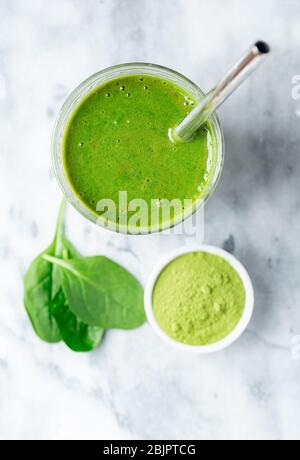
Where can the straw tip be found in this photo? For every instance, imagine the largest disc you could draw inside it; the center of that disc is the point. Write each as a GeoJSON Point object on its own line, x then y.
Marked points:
{"type": "Point", "coordinates": [263, 47]}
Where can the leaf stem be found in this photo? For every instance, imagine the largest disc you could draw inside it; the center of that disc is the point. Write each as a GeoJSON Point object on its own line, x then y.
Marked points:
{"type": "Point", "coordinates": [59, 231]}
{"type": "Point", "coordinates": [61, 263]}
{"type": "Point", "coordinates": [61, 215]}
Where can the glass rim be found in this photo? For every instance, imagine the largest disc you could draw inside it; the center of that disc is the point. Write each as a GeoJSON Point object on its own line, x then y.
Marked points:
{"type": "Point", "coordinates": [104, 76]}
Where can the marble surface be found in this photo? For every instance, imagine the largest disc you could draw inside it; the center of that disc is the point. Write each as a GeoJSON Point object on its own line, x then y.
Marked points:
{"type": "Point", "coordinates": [134, 386]}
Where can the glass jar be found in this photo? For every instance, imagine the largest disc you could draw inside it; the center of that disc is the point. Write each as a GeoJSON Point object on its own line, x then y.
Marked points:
{"type": "Point", "coordinates": [103, 77]}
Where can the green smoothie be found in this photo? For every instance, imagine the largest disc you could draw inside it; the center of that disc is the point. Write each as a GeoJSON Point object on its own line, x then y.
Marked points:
{"type": "Point", "coordinates": [198, 299]}
{"type": "Point", "coordinates": [117, 140]}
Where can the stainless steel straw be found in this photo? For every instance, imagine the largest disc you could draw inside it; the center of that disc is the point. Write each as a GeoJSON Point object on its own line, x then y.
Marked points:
{"type": "Point", "coordinates": [234, 78]}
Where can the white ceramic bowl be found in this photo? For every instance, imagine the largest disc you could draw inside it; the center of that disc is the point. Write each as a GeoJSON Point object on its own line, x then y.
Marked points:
{"type": "Point", "coordinates": [241, 326]}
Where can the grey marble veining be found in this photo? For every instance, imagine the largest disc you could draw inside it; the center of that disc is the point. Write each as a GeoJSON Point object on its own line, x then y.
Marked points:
{"type": "Point", "coordinates": [134, 386]}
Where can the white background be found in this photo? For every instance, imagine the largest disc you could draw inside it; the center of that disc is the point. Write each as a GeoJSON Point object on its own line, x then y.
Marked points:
{"type": "Point", "coordinates": [134, 386]}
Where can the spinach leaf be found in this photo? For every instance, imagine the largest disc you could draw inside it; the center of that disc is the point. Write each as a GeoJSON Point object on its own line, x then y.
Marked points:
{"type": "Point", "coordinates": [37, 298]}
{"type": "Point", "coordinates": [77, 336]}
{"type": "Point", "coordinates": [45, 301]}
{"type": "Point", "coordinates": [40, 285]}
{"type": "Point", "coordinates": [101, 292]}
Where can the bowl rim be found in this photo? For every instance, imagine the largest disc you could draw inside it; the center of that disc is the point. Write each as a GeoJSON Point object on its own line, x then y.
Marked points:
{"type": "Point", "coordinates": [240, 327]}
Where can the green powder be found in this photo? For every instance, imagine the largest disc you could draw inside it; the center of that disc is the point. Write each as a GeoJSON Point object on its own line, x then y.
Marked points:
{"type": "Point", "coordinates": [198, 299]}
